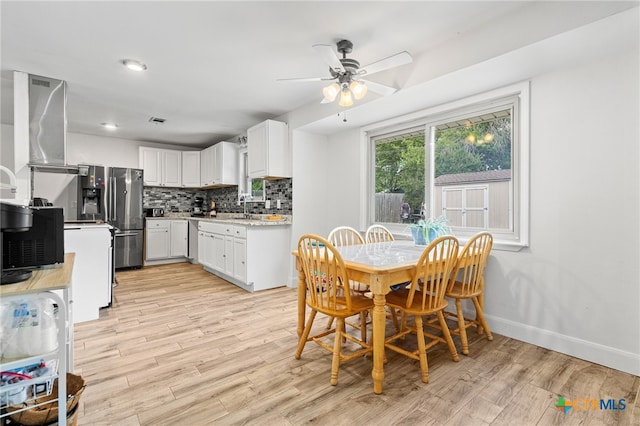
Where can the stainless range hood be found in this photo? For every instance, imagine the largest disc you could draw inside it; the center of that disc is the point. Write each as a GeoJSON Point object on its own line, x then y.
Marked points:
{"type": "Point", "coordinates": [52, 168]}
{"type": "Point", "coordinates": [48, 125]}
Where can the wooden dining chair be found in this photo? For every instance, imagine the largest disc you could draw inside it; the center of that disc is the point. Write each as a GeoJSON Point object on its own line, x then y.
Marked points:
{"type": "Point", "coordinates": [327, 281]}
{"type": "Point", "coordinates": [469, 284]}
{"type": "Point", "coordinates": [378, 233]}
{"type": "Point", "coordinates": [348, 236]}
{"type": "Point", "coordinates": [345, 236]}
{"type": "Point", "coordinates": [425, 297]}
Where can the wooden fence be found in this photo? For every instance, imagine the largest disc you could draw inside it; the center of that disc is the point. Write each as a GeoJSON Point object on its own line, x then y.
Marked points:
{"type": "Point", "coordinates": [388, 207]}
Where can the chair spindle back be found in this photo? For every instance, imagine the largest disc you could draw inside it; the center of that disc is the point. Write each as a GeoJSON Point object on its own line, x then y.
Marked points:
{"type": "Point", "coordinates": [325, 274]}
{"type": "Point", "coordinates": [433, 272]}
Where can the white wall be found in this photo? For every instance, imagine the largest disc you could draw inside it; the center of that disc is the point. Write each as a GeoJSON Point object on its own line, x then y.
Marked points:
{"type": "Point", "coordinates": [107, 151]}
{"type": "Point", "coordinates": [310, 188]}
{"type": "Point", "coordinates": [310, 184]}
{"type": "Point", "coordinates": [61, 189]}
{"type": "Point", "coordinates": [344, 194]}
{"type": "Point", "coordinates": [6, 157]}
{"type": "Point", "coordinates": [575, 289]}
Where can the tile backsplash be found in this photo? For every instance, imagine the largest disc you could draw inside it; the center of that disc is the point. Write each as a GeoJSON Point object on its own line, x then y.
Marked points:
{"type": "Point", "coordinates": [226, 199]}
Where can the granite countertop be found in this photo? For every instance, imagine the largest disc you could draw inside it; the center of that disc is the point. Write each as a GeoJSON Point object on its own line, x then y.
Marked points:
{"type": "Point", "coordinates": [237, 218]}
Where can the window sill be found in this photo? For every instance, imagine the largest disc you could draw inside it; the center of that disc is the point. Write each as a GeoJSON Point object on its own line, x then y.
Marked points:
{"type": "Point", "coordinates": [501, 245]}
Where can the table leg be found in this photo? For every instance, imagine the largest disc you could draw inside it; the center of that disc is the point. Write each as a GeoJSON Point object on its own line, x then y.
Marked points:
{"type": "Point", "coordinates": [302, 293]}
{"type": "Point", "coordinates": [379, 322]}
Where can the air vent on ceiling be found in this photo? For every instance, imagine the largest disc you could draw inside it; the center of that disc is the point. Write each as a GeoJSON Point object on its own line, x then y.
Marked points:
{"type": "Point", "coordinates": [157, 120]}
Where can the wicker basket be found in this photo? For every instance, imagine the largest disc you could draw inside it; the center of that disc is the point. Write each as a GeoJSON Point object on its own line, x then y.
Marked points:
{"type": "Point", "coordinates": [47, 414]}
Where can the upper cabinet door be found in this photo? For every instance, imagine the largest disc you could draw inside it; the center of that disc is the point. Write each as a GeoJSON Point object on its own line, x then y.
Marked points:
{"type": "Point", "coordinates": [269, 154]}
{"type": "Point", "coordinates": [207, 163]}
{"type": "Point", "coordinates": [151, 164]}
{"type": "Point", "coordinates": [226, 168]}
{"type": "Point", "coordinates": [258, 146]}
{"type": "Point", "coordinates": [172, 168]}
{"type": "Point", "coordinates": [191, 169]}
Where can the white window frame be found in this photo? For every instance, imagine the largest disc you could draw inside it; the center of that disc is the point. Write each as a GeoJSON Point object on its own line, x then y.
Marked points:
{"type": "Point", "coordinates": [518, 94]}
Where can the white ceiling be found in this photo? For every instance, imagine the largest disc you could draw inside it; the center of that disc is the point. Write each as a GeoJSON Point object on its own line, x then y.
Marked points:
{"type": "Point", "coordinates": [213, 66]}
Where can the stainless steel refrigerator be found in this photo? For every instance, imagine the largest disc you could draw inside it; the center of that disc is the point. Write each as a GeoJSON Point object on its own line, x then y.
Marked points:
{"type": "Point", "coordinates": [124, 199]}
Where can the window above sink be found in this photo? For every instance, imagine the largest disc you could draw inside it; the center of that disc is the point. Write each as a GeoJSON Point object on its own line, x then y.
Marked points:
{"type": "Point", "coordinates": [247, 186]}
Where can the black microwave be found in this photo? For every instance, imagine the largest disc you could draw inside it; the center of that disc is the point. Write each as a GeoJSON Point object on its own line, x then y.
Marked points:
{"type": "Point", "coordinates": [40, 245]}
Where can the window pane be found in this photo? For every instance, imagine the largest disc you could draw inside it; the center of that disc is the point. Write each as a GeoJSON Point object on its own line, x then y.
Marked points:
{"type": "Point", "coordinates": [399, 178]}
{"type": "Point", "coordinates": [472, 170]}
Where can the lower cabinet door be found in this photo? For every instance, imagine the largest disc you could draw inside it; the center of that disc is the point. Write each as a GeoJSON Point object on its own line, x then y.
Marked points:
{"type": "Point", "coordinates": [218, 253]}
{"type": "Point", "coordinates": [179, 238]}
{"type": "Point", "coordinates": [228, 255]}
{"type": "Point", "coordinates": [158, 243]}
{"type": "Point", "coordinates": [240, 259]}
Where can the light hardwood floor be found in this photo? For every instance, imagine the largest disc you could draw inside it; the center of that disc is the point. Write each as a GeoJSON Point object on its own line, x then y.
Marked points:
{"type": "Point", "coordinates": [183, 347]}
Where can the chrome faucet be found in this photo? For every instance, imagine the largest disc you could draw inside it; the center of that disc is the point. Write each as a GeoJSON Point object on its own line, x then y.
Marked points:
{"type": "Point", "coordinates": [245, 198]}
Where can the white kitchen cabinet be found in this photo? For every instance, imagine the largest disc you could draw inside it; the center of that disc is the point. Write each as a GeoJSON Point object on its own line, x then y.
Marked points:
{"type": "Point", "coordinates": [240, 259]}
{"type": "Point", "coordinates": [219, 165]}
{"type": "Point", "coordinates": [172, 168]}
{"type": "Point", "coordinates": [251, 257]}
{"type": "Point", "coordinates": [191, 169]}
{"type": "Point", "coordinates": [269, 156]}
{"type": "Point", "coordinates": [158, 239]}
{"type": "Point", "coordinates": [162, 167]}
{"type": "Point", "coordinates": [92, 271]}
{"type": "Point", "coordinates": [179, 234]}
{"type": "Point", "coordinates": [150, 163]}
{"type": "Point", "coordinates": [207, 161]}
{"type": "Point", "coordinates": [220, 240]}
{"type": "Point", "coordinates": [166, 240]}
{"type": "Point", "coordinates": [205, 249]}
{"type": "Point", "coordinates": [218, 252]}
{"type": "Point", "coordinates": [226, 167]}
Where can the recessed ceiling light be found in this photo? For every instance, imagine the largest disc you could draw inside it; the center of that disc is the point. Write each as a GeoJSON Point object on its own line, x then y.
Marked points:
{"type": "Point", "coordinates": [109, 126]}
{"type": "Point", "coordinates": [134, 65]}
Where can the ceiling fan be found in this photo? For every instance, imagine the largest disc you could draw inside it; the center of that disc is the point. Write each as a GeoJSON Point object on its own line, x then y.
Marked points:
{"type": "Point", "coordinates": [348, 74]}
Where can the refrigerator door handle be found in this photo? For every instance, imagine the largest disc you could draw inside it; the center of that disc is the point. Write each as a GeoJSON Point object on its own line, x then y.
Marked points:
{"type": "Point", "coordinates": [127, 234]}
{"type": "Point", "coordinates": [114, 217]}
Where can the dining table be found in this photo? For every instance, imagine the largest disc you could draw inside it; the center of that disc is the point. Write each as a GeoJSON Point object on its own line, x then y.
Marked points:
{"type": "Point", "coordinates": [380, 266]}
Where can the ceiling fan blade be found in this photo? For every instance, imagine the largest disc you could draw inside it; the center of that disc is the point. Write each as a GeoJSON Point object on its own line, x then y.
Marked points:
{"type": "Point", "coordinates": [306, 79]}
{"type": "Point", "coordinates": [392, 61]}
{"type": "Point", "coordinates": [380, 89]}
{"type": "Point", "coordinates": [329, 56]}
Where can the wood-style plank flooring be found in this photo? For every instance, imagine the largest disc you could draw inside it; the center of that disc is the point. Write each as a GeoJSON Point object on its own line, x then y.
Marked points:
{"type": "Point", "coordinates": [183, 347]}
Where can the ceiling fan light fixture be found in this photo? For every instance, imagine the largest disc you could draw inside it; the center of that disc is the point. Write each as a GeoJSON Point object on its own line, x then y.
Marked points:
{"type": "Point", "coordinates": [346, 100]}
{"type": "Point", "coordinates": [331, 91]}
{"type": "Point", "coordinates": [359, 89]}
{"type": "Point", "coordinates": [134, 65]}
{"type": "Point", "coordinates": [110, 126]}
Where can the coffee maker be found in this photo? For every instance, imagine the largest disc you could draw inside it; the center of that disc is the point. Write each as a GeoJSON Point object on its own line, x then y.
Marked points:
{"type": "Point", "coordinates": [91, 193]}
{"type": "Point", "coordinates": [197, 207]}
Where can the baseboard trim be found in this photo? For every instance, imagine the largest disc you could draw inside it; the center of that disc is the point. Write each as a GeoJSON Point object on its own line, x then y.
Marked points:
{"type": "Point", "coordinates": [589, 351]}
